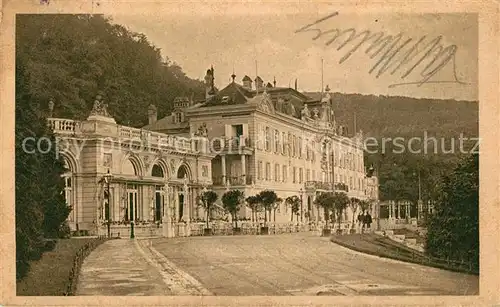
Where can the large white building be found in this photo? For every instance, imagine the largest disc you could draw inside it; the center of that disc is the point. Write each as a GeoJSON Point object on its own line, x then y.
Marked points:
{"type": "Point", "coordinates": [247, 137]}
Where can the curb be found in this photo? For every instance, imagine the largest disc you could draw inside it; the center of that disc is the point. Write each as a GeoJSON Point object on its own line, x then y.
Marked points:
{"type": "Point", "coordinates": [178, 281]}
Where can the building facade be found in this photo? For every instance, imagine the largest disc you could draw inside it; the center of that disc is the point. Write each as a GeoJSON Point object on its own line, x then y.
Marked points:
{"type": "Point", "coordinates": [269, 137]}
{"type": "Point", "coordinates": [245, 137]}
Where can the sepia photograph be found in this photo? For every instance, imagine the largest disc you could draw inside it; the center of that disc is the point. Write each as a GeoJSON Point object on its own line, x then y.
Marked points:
{"type": "Point", "coordinates": [246, 153]}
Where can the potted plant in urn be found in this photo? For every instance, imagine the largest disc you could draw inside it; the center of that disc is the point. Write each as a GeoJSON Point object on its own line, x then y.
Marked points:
{"type": "Point", "coordinates": [267, 199]}
{"type": "Point", "coordinates": [231, 201]}
{"type": "Point", "coordinates": [207, 201]}
{"type": "Point", "coordinates": [325, 201]}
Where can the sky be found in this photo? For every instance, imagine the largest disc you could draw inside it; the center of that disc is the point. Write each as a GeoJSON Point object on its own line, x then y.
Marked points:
{"type": "Point", "coordinates": [267, 44]}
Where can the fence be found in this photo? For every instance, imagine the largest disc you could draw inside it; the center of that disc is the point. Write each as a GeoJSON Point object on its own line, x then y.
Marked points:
{"type": "Point", "coordinates": [77, 263]}
{"type": "Point", "coordinates": [249, 228]}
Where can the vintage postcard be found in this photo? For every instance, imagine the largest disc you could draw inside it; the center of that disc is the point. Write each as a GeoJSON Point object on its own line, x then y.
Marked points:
{"type": "Point", "coordinates": [249, 153]}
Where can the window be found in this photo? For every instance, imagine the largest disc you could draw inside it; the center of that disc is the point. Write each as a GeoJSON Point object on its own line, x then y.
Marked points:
{"type": "Point", "coordinates": [284, 143]}
{"type": "Point", "coordinates": [268, 139]}
{"type": "Point", "coordinates": [268, 171]}
{"type": "Point", "coordinates": [290, 144]}
{"type": "Point", "coordinates": [300, 147]}
{"type": "Point", "coordinates": [350, 183]}
{"type": "Point", "coordinates": [68, 193]}
{"type": "Point", "coordinates": [294, 175]}
{"type": "Point", "coordinates": [276, 172]}
{"type": "Point", "coordinates": [284, 175]}
{"type": "Point", "coordinates": [259, 170]}
{"type": "Point", "coordinates": [294, 144]}
{"type": "Point", "coordinates": [301, 175]}
{"type": "Point", "coordinates": [313, 153]}
{"type": "Point", "coordinates": [308, 175]}
{"type": "Point", "coordinates": [314, 175]}
{"type": "Point", "coordinates": [177, 117]}
{"type": "Point", "coordinates": [277, 145]}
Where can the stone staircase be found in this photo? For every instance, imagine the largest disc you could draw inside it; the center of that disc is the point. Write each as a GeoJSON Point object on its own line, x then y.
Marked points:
{"type": "Point", "coordinates": [410, 238]}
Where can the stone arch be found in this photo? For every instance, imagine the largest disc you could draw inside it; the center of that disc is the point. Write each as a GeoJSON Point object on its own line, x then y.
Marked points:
{"type": "Point", "coordinates": [163, 167]}
{"type": "Point", "coordinates": [70, 162]}
{"type": "Point", "coordinates": [183, 170]}
{"type": "Point", "coordinates": [130, 159]}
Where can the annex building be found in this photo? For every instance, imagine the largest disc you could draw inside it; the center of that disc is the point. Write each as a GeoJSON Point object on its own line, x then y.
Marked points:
{"type": "Point", "coordinates": [251, 136]}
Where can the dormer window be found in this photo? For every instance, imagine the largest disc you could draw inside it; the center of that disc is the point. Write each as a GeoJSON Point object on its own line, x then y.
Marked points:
{"type": "Point", "coordinates": [177, 117]}
{"type": "Point", "coordinates": [225, 99]}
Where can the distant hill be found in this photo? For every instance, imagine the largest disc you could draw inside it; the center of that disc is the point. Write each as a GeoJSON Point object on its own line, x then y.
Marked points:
{"type": "Point", "coordinates": [386, 116]}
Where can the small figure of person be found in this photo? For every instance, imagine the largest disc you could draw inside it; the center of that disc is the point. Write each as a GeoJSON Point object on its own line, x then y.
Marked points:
{"type": "Point", "coordinates": [367, 221]}
{"type": "Point", "coordinates": [361, 221]}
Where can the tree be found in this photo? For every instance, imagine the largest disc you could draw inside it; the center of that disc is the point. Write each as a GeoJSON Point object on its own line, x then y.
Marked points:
{"type": "Point", "coordinates": [276, 206]}
{"type": "Point", "coordinates": [354, 204]}
{"type": "Point", "coordinates": [208, 199]}
{"type": "Point", "coordinates": [253, 202]}
{"type": "Point", "coordinates": [41, 210]}
{"type": "Point", "coordinates": [267, 199]}
{"type": "Point", "coordinates": [453, 228]}
{"type": "Point", "coordinates": [231, 201]}
{"type": "Point", "coordinates": [294, 203]}
{"type": "Point", "coordinates": [340, 203]}
{"type": "Point", "coordinates": [325, 201]}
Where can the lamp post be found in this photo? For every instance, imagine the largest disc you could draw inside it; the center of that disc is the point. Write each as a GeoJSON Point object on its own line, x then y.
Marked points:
{"type": "Point", "coordinates": [107, 179]}
{"type": "Point", "coordinates": [301, 193]}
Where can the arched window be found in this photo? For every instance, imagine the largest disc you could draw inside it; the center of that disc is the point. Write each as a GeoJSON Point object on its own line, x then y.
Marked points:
{"type": "Point", "coordinates": [68, 189]}
{"type": "Point", "coordinates": [157, 171]}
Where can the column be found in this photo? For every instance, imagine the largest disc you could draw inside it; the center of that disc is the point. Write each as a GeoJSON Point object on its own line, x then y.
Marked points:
{"type": "Point", "coordinates": [167, 214]}
{"type": "Point", "coordinates": [223, 165]}
{"type": "Point", "coordinates": [243, 169]}
{"type": "Point", "coordinates": [187, 212]}
{"type": "Point", "coordinates": [393, 211]}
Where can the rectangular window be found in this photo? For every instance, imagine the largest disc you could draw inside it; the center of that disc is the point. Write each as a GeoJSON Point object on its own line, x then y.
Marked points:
{"type": "Point", "coordinates": [300, 147]}
{"type": "Point", "coordinates": [314, 175]}
{"type": "Point", "coordinates": [259, 170]}
{"type": "Point", "coordinates": [283, 141]}
{"type": "Point", "coordinates": [313, 153]}
{"type": "Point", "coordinates": [268, 139]}
{"type": "Point", "coordinates": [294, 175]}
{"type": "Point", "coordinates": [276, 172]}
{"type": "Point", "coordinates": [350, 183]}
{"type": "Point", "coordinates": [277, 146]}
{"type": "Point", "coordinates": [284, 175]}
{"type": "Point", "coordinates": [204, 171]}
{"type": "Point", "coordinates": [268, 171]}
{"type": "Point", "coordinates": [301, 175]}
{"type": "Point", "coordinates": [308, 175]}
{"type": "Point", "coordinates": [290, 143]}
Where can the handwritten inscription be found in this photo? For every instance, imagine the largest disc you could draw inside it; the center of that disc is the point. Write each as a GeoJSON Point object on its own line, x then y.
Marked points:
{"type": "Point", "coordinates": [391, 53]}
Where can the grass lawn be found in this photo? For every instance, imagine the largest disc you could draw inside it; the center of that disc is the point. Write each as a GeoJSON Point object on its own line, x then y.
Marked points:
{"type": "Point", "coordinates": [49, 275]}
{"type": "Point", "coordinates": [377, 245]}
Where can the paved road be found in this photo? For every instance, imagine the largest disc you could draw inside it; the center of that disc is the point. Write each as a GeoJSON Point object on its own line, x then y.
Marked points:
{"type": "Point", "coordinates": [303, 264]}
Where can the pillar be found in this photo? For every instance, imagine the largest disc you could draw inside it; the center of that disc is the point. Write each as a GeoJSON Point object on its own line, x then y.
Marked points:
{"type": "Point", "coordinates": [167, 214]}
{"type": "Point", "coordinates": [223, 165]}
{"type": "Point", "coordinates": [393, 210]}
{"type": "Point", "coordinates": [243, 169]}
{"type": "Point", "coordinates": [187, 210]}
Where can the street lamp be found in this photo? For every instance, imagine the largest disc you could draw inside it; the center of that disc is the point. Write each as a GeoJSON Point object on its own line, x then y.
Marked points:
{"type": "Point", "coordinates": [301, 193]}
{"type": "Point", "coordinates": [107, 195]}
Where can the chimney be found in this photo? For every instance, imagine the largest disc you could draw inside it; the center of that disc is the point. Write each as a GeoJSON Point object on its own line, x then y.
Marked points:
{"type": "Point", "coordinates": [152, 114]}
{"type": "Point", "coordinates": [247, 82]}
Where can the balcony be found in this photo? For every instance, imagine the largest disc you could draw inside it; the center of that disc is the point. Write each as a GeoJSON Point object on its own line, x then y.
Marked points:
{"type": "Point", "coordinates": [232, 181]}
{"type": "Point", "coordinates": [234, 145]}
{"type": "Point", "coordinates": [326, 186]}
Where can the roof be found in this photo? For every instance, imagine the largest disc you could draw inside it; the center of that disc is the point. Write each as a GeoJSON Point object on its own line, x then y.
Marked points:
{"type": "Point", "coordinates": [259, 79]}
{"type": "Point", "coordinates": [236, 94]}
{"type": "Point", "coordinates": [246, 78]}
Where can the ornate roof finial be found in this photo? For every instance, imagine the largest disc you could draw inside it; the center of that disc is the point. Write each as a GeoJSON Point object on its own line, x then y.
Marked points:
{"type": "Point", "coordinates": [274, 82]}
{"type": "Point", "coordinates": [327, 88]}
